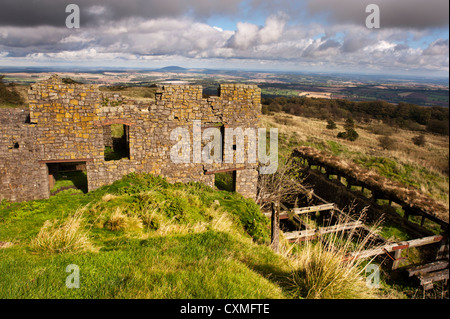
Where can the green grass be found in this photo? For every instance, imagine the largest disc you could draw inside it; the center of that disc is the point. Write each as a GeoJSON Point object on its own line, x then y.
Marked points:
{"type": "Point", "coordinates": [188, 248]}
{"type": "Point", "coordinates": [142, 237]}
{"type": "Point", "coordinates": [76, 179]}
{"type": "Point", "coordinates": [205, 265]}
{"type": "Point", "coordinates": [224, 181]}
{"type": "Point", "coordinates": [280, 92]}
{"type": "Point", "coordinates": [115, 155]}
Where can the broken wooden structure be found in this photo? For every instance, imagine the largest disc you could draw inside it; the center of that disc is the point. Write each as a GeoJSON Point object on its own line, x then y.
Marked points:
{"type": "Point", "coordinates": [412, 202]}
{"type": "Point", "coordinates": [430, 273]}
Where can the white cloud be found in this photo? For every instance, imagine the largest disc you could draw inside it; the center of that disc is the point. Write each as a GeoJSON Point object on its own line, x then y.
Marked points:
{"type": "Point", "coordinates": [438, 47]}
{"type": "Point", "coordinates": [381, 46]}
{"type": "Point", "coordinates": [277, 42]}
{"type": "Point", "coordinates": [273, 28]}
{"type": "Point", "coordinates": [96, 10]}
{"type": "Point", "coordinates": [76, 39]}
{"type": "Point", "coordinates": [245, 36]}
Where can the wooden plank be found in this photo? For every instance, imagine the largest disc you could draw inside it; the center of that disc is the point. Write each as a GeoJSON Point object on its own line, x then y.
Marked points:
{"type": "Point", "coordinates": [340, 227]}
{"type": "Point", "coordinates": [225, 170]}
{"type": "Point", "coordinates": [395, 246]}
{"type": "Point", "coordinates": [283, 215]}
{"type": "Point", "coordinates": [310, 209]}
{"type": "Point", "coordinates": [304, 154]}
{"type": "Point", "coordinates": [300, 234]}
{"type": "Point", "coordinates": [297, 235]}
{"type": "Point", "coordinates": [78, 160]}
{"type": "Point", "coordinates": [426, 280]}
{"type": "Point", "coordinates": [422, 269]}
{"type": "Point", "coordinates": [275, 235]}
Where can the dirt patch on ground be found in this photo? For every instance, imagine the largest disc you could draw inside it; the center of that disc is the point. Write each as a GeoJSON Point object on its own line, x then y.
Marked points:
{"type": "Point", "coordinates": [5, 244]}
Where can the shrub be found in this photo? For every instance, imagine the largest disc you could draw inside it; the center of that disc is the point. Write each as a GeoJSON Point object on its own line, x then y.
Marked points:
{"type": "Point", "coordinates": [419, 140]}
{"type": "Point", "coordinates": [350, 132]}
{"type": "Point", "coordinates": [386, 142]}
{"type": "Point", "coordinates": [381, 129]}
{"type": "Point", "coordinates": [349, 124]}
{"type": "Point", "coordinates": [61, 237]}
{"type": "Point", "coordinates": [352, 135]}
{"type": "Point", "coordinates": [331, 125]}
{"type": "Point", "coordinates": [284, 120]}
{"type": "Point", "coordinates": [69, 81]}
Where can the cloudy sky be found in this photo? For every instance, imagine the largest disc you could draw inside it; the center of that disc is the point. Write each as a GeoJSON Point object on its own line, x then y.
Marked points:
{"type": "Point", "coordinates": [295, 35]}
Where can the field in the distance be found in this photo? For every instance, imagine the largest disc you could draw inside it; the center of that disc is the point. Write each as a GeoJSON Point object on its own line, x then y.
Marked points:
{"type": "Point", "coordinates": [415, 90]}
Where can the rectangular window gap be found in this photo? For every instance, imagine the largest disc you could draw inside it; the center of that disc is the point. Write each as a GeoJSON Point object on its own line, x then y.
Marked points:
{"type": "Point", "coordinates": [116, 141]}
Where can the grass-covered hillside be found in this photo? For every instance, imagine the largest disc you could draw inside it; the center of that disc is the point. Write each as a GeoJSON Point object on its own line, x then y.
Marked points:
{"type": "Point", "coordinates": [392, 152]}
{"type": "Point", "coordinates": [142, 237]}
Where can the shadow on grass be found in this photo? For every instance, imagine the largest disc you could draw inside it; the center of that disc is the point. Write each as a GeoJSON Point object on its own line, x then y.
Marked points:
{"type": "Point", "coordinates": [70, 180]}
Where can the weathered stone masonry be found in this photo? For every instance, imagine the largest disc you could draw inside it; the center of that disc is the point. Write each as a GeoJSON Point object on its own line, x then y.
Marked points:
{"type": "Point", "coordinates": [67, 123]}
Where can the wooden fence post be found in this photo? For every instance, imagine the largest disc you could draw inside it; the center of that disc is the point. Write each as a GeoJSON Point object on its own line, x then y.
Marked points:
{"type": "Point", "coordinates": [397, 258]}
{"type": "Point", "coordinates": [442, 253]}
{"type": "Point", "coordinates": [275, 226]}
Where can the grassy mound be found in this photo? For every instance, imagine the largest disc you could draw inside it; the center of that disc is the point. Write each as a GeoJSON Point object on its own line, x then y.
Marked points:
{"type": "Point", "coordinates": [142, 237]}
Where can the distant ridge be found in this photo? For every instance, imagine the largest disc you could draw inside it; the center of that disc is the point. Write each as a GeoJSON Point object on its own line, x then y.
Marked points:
{"type": "Point", "coordinates": [172, 68]}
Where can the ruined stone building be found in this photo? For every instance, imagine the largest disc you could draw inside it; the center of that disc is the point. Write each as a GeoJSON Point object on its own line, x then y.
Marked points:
{"type": "Point", "coordinates": [71, 125]}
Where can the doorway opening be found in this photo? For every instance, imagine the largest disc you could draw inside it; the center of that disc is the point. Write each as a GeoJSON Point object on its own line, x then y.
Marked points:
{"type": "Point", "coordinates": [67, 175]}
{"type": "Point", "coordinates": [225, 181]}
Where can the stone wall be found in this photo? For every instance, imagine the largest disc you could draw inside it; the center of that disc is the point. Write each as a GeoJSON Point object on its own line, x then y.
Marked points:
{"type": "Point", "coordinates": [20, 172]}
{"type": "Point", "coordinates": [71, 122]}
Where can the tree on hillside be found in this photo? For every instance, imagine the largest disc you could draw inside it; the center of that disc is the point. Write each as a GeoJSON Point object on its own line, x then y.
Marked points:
{"type": "Point", "coordinates": [331, 125]}
{"type": "Point", "coordinates": [350, 132]}
{"type": "Point", "coordinates": [438, 126]}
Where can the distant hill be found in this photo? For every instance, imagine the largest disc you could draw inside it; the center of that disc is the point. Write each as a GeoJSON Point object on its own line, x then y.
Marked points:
{"type": "Point", "coordinates": [172, 68]}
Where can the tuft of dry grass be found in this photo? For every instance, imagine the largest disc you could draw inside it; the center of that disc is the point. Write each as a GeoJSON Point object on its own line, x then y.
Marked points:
{"type": "Point", "coordinates": [120, 221]}
{"type": "Point", "coordinates": [219, 220]}
{"type": "Point", "coordinates": [63, 236]}
{"type": "Point", "coordinates": [324, 271]}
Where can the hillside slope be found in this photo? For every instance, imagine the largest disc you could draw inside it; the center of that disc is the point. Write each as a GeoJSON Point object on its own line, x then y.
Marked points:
{"type": "Point", "coordinates": [423, 167]}
{"type": "Point", "coordinates": [140, 237]}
